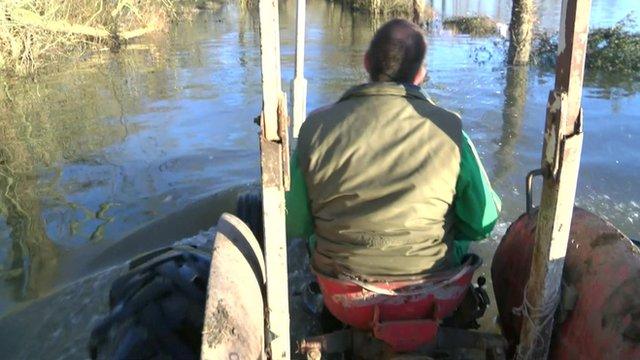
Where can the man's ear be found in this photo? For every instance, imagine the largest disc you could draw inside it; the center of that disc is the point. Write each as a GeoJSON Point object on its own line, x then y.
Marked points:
{"type": "Point", "coordinates": [367, 62]}
{"type": "Point", "coordinates": [420, 76]}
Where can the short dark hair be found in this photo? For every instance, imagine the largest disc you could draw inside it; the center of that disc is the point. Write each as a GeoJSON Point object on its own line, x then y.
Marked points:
{"type": "Point", "coordinates": [396, 52]}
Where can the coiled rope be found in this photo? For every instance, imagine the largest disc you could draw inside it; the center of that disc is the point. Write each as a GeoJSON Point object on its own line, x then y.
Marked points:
{"type": "Point", "coordinates": [542, 315]}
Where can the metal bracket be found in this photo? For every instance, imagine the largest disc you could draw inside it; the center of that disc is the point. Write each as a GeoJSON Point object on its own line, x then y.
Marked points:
{"type": "Point", "coordinates": [529, 188]}
{"type": "Point", "coordinates": [558, 132]}
{"type": "Point", "coordinates": [558, 138]}
{"type": "Point", "coordinates": [556, 124]}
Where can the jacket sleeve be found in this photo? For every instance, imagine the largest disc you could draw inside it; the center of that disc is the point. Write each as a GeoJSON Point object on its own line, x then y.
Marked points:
{"type": "Point", "coordinates": [299, 219]}
{"type": "Point", "coordinates": [476, 205]}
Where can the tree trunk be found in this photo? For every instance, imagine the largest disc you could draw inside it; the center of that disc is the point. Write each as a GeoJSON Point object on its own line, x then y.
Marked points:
{"type": "Point", "coordinates": [520, 32]}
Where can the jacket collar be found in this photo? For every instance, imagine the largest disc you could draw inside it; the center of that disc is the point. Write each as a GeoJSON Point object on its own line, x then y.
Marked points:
{"type": "Point", "coordinates": [385, 88]}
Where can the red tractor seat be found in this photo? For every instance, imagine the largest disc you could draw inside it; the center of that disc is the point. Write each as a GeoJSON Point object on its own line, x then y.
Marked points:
{"type": "Point", "coordinates": [404, 314]}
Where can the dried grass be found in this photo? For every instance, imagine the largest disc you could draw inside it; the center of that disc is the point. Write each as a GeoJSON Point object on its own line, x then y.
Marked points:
{"type": "Point", "coordinates": [381, 7]}
{"type": "Point", "coordinates": [34, 33]}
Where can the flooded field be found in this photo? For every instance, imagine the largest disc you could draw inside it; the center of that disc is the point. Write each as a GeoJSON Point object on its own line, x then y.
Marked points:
{"type": "Point", "coordinates": [92, 153]}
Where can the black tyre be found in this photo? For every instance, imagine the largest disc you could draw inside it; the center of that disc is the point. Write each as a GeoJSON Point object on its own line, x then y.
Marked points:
{"type": "Point", "coordinates": [156, 308]}
{"type": "Point", "coordinates": [249, 210]}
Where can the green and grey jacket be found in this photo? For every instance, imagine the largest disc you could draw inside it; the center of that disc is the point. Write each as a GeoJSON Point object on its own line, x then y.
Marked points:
{"type": "Point", "coordinates": [386, 184]}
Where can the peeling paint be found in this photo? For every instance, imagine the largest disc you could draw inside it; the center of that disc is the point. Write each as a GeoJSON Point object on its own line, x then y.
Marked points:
{"type": "Point", "coordinates": [550, 151]}
{"type": "Point", "coordinates": [364, 297]}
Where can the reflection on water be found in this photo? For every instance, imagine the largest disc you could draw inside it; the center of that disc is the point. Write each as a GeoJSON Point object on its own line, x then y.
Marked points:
{"type": "Point", "coordinates": [32, 257]}
{"type": "Point", "coordinates": [90, 155]}
{"type": "Point", "coordinates": [37, 133]}
{"type": "Point", "coordinates": [515, 97]}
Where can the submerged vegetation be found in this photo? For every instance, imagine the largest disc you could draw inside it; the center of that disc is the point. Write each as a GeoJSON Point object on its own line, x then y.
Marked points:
{"type": "Point", "coordinates": [415, 10]}
{"type": "Point", "coordinates": [387, 7]}
{"type": "Point", "coordinates": [471, 25]}
{"type": "Point", "coordinates": [34, 33]}
{"type": "Point", "coordinates": [615, 49]}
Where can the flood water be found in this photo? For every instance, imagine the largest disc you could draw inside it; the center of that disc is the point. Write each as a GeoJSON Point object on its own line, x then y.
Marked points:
{"type": "Point", "coordinates": [91, 152]}
{"type": "Point", "coordinates": [604, 13]}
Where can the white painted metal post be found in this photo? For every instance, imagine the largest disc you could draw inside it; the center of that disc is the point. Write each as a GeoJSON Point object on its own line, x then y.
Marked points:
{"type": "Point", "coordinates": [274, 162]}
{"type": "Point", "coordinates": [299, 84]}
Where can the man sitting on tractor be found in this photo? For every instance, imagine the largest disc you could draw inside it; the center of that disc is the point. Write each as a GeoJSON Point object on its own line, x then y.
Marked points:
{"type": "Point", "coordinates": [384, 182]}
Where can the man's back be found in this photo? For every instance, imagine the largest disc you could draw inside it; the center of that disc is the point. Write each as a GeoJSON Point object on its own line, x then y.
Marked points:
{"type": "Point", "coordinates": [388, 182]}
{"type": "Point", "coordinates": [381, 168]}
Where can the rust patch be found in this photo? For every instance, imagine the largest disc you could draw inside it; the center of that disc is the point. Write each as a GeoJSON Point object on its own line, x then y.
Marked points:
{"type": "Point", "coordinates": [605, 239]}
{"type": "Point", "coordinates": [621, 314]}
{"type": "Point", "coordinates": [632, 332]}
{"type": "Point", "coordinates": [218, 326]}
{"type": "Point", "coordinates": [271, 163]}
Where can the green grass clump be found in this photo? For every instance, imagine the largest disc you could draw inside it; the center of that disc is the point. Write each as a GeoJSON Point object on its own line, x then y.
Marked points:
{"type": "Point", "coordinates": [471, 25]}
{"type": "Point", "coordinates": [610, 50]}
{"type": "Point", "coordinates": [614, 49]}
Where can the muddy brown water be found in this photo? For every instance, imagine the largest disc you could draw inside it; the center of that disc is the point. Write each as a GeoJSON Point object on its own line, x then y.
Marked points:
{"type": "Point", "coordinates": [93, 152]}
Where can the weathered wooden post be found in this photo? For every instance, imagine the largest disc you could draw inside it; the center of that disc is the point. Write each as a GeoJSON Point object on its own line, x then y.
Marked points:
{"type": "Point", "coordinates": [299, 84]}
{"type": "Point", "coordinates": [560, 163]}
{"type": "Point", "coordinates": [520, 32]}
{"type": "Point", "coordinates": [274, 162]}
